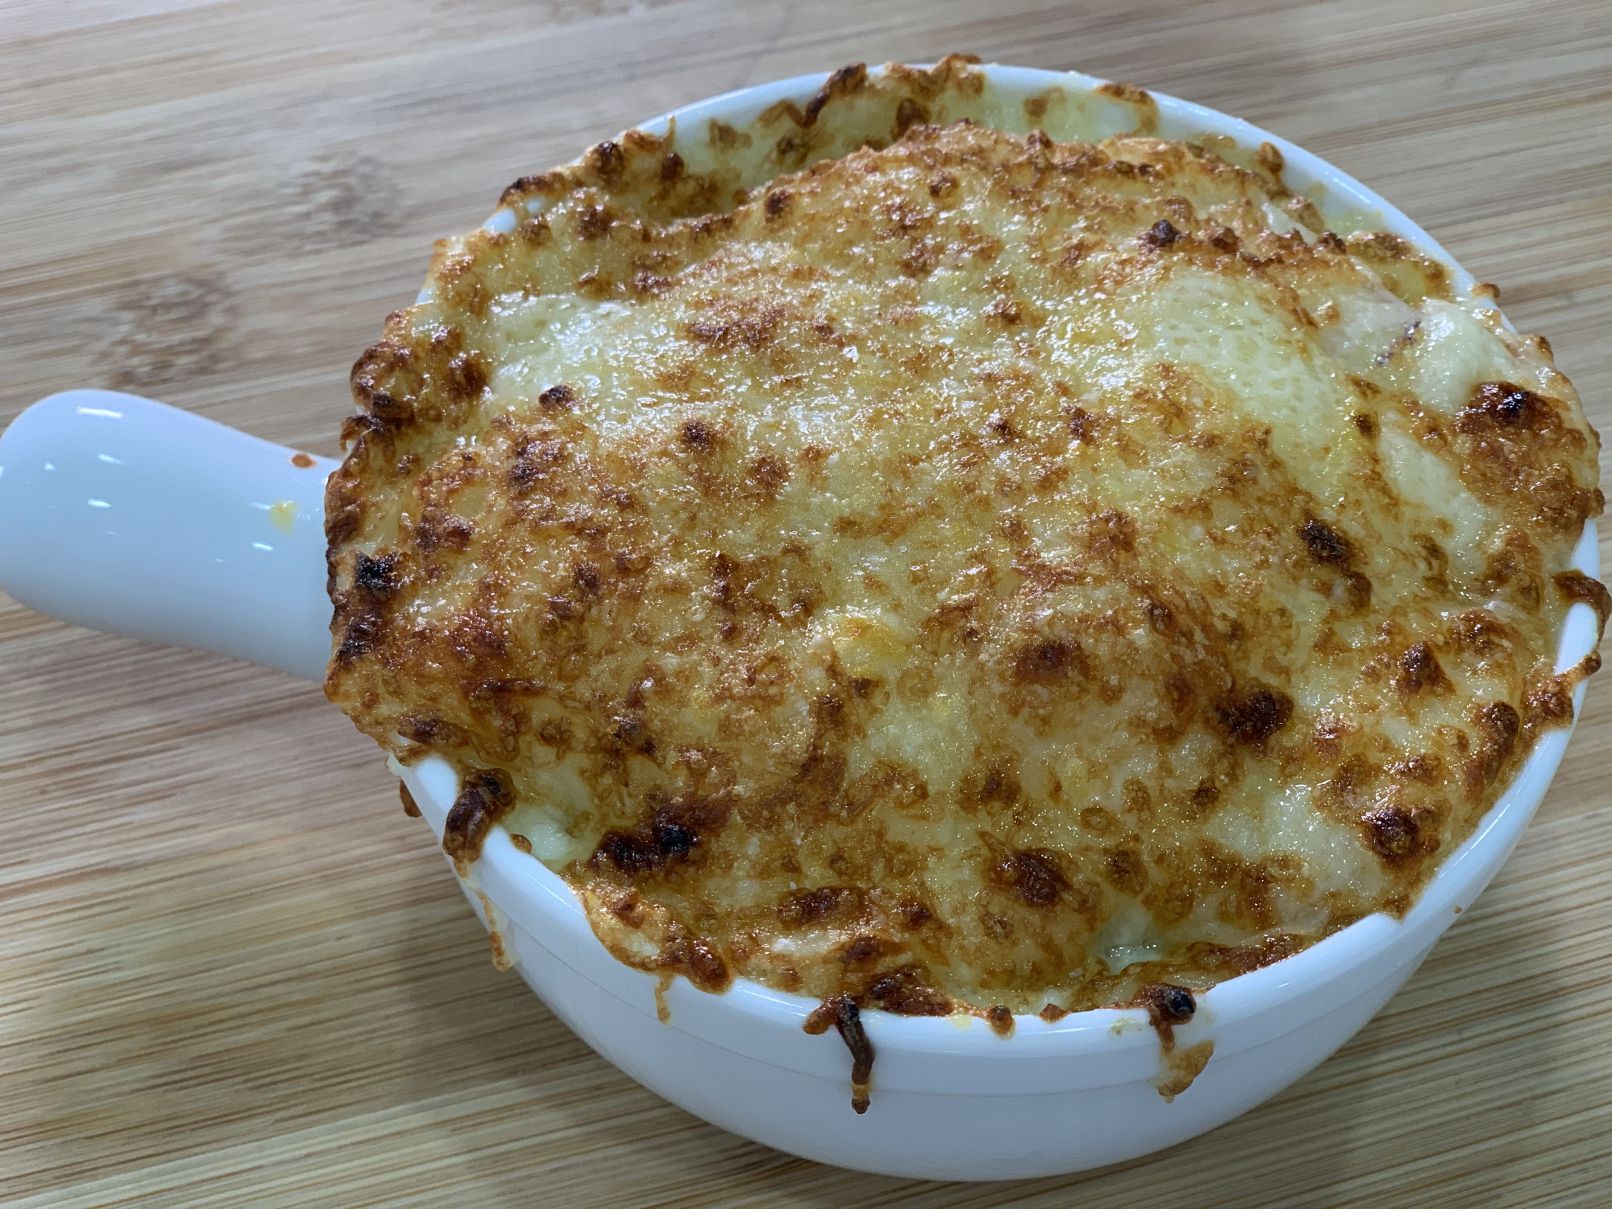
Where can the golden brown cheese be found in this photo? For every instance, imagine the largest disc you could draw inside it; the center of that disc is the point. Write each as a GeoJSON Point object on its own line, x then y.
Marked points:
{"type": "Point", "coordinates": [969, 570]}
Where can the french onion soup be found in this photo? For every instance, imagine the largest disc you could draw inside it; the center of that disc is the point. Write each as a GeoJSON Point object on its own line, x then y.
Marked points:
{"type": "Point", "coordinates": [917, 552]}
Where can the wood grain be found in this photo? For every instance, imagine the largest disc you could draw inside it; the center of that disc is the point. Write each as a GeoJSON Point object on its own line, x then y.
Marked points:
{"type": "Point", "coordinates": [234, 973]}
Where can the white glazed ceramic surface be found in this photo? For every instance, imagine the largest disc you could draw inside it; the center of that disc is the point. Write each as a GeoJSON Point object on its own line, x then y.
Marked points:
{"type": "Point", "coordinates": [127, 515]}
{"type": "Point", "coordinates": [118, 513]}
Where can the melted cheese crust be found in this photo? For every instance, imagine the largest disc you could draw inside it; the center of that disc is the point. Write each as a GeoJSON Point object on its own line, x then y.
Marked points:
{"type": "Point", "coordinates": [968, 570]}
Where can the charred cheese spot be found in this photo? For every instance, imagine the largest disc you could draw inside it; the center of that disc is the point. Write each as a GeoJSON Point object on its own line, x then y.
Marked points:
{"type": "Point", "coordinates": [1254, 714]}
{"type": "Point", "coordinates": [1393, 833]}
{"type": "Point", "coordinates": [933, 566]}
{"type": "Point", "coordinates": [698, 435]}
{"type": "Point", "coordinates": [1160, 235]}
{"type": "Point", "coordinates": [557, 397]}
{"type": "Point", "coordinates": [1325, 543]}
{"type": "Point", "coordinates": [376, 576]}
{"type": "Point", "coordinates": [1034, 875]}
{"type": "Point", "coordinates": [906, 992]}
{"type": "Point", "coordinates": [1419, 670]}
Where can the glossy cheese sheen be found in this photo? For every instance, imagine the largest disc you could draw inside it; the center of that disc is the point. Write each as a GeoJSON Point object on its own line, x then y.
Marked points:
{"type": "Point", "coordinates": [974, 570]}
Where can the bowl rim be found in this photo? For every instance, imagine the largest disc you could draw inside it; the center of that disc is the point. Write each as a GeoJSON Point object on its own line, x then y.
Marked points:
{"type": "Point", "coordinates": [1460, 876]}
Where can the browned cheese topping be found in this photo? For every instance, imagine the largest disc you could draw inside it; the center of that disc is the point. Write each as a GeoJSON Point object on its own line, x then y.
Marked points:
{"type": "Point", "coordinates": [897, 559]}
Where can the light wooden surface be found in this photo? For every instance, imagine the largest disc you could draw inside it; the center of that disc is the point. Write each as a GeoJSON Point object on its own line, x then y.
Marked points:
{"type": "Point", "coordinates": [232, 972]}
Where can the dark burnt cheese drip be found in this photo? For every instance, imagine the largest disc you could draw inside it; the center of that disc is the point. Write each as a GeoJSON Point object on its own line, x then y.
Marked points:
{"type": "Point", "coordinates": [485, 796]}
{"type": "Point", "coordinates": [1000, 1018]}
{"type": "Point", "coordinates": [1166, 1005]}
{"type": "Point", "coordinates": [842, 1012]}
{"type": "Point", "coordinates": [1169, 1006]}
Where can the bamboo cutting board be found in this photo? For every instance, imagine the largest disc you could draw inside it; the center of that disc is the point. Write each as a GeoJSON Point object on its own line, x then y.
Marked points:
{"type": "Point", "coordinates": [231, 971]}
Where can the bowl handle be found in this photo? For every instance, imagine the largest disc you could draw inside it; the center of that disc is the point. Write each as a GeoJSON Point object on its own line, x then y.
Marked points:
{"type": "Point", "coordinates": [137, 518]}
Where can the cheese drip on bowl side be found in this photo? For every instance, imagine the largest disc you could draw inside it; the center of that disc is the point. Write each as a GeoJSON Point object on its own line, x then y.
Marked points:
{"type": "Point", "coordinates": [970, 571]}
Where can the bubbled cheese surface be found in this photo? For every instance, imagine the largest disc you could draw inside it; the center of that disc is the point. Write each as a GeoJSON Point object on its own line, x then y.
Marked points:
{"type": "Point", "coordinates": [972, 569]}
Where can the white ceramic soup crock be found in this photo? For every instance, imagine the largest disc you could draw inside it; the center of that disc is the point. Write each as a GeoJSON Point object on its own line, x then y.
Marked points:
{"type": "Point", "coordinates": [122, 514]}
